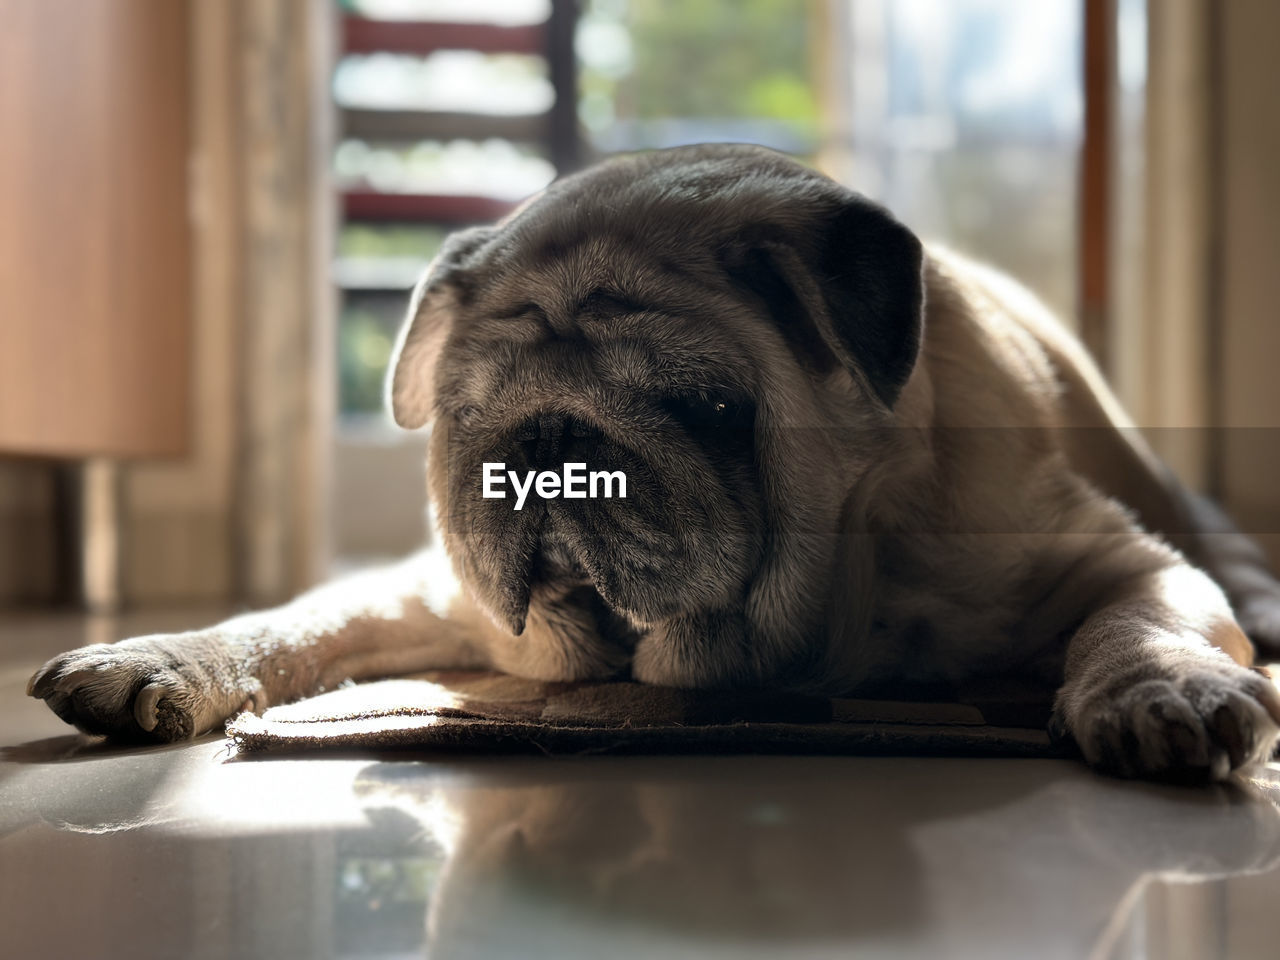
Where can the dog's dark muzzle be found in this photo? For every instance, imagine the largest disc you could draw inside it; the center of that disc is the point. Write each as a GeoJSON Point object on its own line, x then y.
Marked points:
{"type": "Point", "coordinates": [549, 440]}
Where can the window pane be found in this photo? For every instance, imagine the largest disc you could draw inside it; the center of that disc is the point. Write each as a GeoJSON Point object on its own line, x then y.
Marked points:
{"type": "Point", "coordinates": [367, 327]}
{"type": "Point", "coordinates": [967, 124]}
{"type": "Point", "coordinates": [376, 266]}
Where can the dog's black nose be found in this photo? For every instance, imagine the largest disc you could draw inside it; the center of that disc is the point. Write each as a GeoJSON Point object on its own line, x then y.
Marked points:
{"type": "Point", "coordinates": [551, 427]}
{"type": "Point", "coordinates": [547, 438]}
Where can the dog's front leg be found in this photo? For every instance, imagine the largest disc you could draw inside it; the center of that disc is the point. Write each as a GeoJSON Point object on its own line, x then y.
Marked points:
{"type": "Point", "coordinates": [175, 686]}
{"type": "Point", "coordinates": [1150, 688]}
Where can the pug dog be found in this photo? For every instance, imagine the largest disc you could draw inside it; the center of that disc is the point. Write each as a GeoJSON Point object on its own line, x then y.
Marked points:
{"type": "Point", "coordinates": [854, 465]}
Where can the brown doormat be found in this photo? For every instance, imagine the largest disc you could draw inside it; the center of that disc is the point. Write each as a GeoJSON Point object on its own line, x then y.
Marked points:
{"type": "Point", "coordinates": [495, 713]}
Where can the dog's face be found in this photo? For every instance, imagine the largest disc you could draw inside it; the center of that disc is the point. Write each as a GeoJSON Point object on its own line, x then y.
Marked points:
{"type": "Point", "coordinates": [697, 319]}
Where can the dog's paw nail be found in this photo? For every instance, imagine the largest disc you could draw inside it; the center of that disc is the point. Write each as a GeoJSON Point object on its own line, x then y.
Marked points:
{"type": "Point", "coordinates": [1219, 766]}
{"type": "Point", "coordinates": [69, 682]}
{"type": "Point", "coordinates": [36, 685]}
{"type": "Point", "coordinates": [144, 705]}
{"type": "Point", "coordinates": [256, 702]}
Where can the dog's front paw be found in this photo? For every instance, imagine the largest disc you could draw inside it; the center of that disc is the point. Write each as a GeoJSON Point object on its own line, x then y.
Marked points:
{"type": "Point", "coordinates": [162, 688]}
{"type": "Point", "coordinates": [1194, 722]}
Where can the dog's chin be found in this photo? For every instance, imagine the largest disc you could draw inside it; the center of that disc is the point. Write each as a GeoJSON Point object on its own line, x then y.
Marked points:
{"type": "Point", "coordinates": [557, 566]}
{"type": "Point", "coordinates": [642, 590]}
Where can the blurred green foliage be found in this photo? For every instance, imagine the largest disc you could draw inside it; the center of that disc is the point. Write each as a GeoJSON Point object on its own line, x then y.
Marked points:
{"type": "Point", "coordinates": [381, 900]}
{"type": "Point", "coordinates": [750, 59]}
{"type": "Point", "coordinates": [366, 332]}
{"type": "Point", "coordinates": [391, 240]}
{"type": "Point", "coordinates": [744, 59]}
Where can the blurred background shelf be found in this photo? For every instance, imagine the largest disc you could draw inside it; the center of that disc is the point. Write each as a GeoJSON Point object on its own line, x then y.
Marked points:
{"type": "Point", "coordinates": [421, 37]}
{"type": "Point", "coordinates": [371, 205]}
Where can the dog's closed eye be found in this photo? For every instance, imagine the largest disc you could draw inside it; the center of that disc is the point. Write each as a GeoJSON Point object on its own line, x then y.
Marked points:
{"type": "Point", "coordinates": [607, 303]}
{"type": "Point", "coordinates": [709, 412]}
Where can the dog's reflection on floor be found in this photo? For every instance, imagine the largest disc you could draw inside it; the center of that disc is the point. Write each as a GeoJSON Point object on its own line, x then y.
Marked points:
{"type": "Point", "coordinates": [992, 858]}
{"type": "Point", "coordinates": [632, 856]}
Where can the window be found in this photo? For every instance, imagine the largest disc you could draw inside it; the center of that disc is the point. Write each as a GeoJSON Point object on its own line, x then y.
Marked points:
{"type": "Point", "coordinates": [966, 121]}
{"type": "Point", "coordinates": [449, 114]}
{"type": "Point", "coordinates": [965, 117]}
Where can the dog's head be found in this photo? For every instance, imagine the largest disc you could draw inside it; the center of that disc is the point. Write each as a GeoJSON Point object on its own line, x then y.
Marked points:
{"type": "Point", "coordinates": [698, 319]}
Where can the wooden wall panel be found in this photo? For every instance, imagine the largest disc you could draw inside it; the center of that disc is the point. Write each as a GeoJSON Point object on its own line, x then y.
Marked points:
{"type": "Point", "coordinates": [94, 303]}
{"type": "Point", "coordinates": [179, 538]}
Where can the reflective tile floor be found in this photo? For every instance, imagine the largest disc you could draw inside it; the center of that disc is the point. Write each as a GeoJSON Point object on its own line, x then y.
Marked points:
{"type": "Point", "coordinates": [181, 852]}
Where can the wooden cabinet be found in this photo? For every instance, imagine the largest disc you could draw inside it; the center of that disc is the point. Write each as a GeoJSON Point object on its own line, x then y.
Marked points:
{"type": "Point", "coordinates": [94, 246]}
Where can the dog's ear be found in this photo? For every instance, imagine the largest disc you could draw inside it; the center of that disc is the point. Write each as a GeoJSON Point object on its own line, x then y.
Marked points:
{"type": "Point", "coordinates": [435, 301]}
{"type": "Point", "coordinates": [844, 282]}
